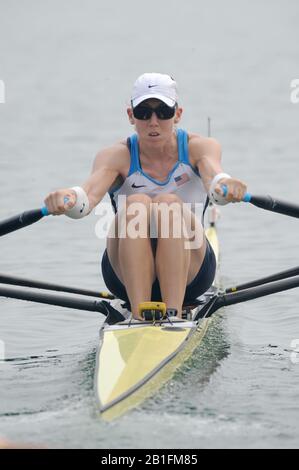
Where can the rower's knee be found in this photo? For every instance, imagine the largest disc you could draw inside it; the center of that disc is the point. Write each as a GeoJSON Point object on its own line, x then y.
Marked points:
{"type": "Point", "coordinates": [134, 217]}
{"type": "Point", "coordinates": [167, 198]}
{"type": "Point", "coordinates": [136, 204]}
{"type": "Point", "coordinates": [168, 215]}
{"type": "Point", "coordinates": [140, 198]}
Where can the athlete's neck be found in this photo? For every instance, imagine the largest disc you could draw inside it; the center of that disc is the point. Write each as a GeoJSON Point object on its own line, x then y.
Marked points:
{"type": "Point", "coordinates": [163, 150]}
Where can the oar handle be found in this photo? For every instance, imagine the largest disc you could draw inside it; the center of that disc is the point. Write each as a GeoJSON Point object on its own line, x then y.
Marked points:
{"type": "Point", "coordinates": [247, 196]}
{"type": "Point", "coordinates": [23, 220]}
{"type": "Point", "coordinates": [45, 211]}
{"type": "Point", "coordinates": [269, 203]}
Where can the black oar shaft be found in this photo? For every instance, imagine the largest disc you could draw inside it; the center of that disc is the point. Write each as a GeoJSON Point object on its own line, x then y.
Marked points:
{"type": "Point", "coordinates": [275, 205]}
{"type": "Point", "coordinates": [18, 281]}
{"type": "Point", "coordinates": [20, 221]}
{"type": "Point", "coordinates": [57, 300]}
{"type": "Point", "coordinates": [269, 203]}
{"type": "Point", "coordinates": [264, 280]}
{"type": "Point", "coordinates": [254, 293]}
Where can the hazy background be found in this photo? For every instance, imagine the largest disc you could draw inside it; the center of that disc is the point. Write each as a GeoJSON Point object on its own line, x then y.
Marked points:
{"type": "Point", "coordinates": [68, 67]}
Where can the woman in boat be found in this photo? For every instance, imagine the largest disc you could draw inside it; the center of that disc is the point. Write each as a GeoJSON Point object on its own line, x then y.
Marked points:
{"type": "Point", "coordinates": [160, 166]}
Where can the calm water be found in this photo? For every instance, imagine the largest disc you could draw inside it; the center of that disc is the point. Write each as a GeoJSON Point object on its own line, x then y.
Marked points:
{"type": "Point", "coordinates": [68, 69]}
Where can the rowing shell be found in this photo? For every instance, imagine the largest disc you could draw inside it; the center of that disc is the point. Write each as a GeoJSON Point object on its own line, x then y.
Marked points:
{"type": "Point", "coordinates": [135, 358]}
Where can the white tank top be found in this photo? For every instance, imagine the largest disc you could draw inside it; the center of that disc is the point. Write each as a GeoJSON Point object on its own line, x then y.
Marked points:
{"type": "Point", "coordinates": [183, 180]}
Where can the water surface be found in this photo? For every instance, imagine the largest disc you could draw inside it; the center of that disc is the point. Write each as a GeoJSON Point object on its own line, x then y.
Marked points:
{"type": "Point", "coordinates": [68, 69]}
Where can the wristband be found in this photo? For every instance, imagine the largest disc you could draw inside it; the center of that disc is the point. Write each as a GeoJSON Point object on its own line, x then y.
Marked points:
{"type": "Point", "coordinates": [81, 207]}
{"type": "Point", "coordinates": [215, 197]}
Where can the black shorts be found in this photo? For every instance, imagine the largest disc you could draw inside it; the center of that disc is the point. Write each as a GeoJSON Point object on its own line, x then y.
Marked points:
{"type": "Point", "coordinates": [200, 284]}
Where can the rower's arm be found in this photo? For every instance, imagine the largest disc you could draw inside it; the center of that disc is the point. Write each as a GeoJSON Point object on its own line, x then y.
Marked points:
{"type": "Point", "coordinates": [108, 165]}
{"type": "Point", "coordinates": [106, 169]}
{"type": "Point", "coordinates": [206, 154]}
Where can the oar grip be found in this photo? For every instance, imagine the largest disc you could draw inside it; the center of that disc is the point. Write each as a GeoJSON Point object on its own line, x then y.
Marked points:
{"type": "Point", "coordinates": [268, 203]}
{"type": "Point", "coordinates": [45, 211]}
{"type": "Point", "coordinates": [247, 197]}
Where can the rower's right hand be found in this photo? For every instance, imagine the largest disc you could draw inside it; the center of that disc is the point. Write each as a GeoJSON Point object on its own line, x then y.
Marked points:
{"type": "Point", "coordinates": [59, 202]}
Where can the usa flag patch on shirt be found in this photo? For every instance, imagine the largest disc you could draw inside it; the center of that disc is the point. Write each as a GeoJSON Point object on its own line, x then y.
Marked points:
{"type": "Point", "coordinates": [182, 179]}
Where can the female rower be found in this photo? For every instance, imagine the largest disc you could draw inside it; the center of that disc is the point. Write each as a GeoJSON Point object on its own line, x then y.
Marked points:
{"type": "Point", "coordinates": [159, 167]}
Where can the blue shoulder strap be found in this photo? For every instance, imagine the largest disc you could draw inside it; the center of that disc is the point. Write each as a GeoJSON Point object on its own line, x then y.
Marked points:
{"type": "Point", "coordinates": [134, 150]}
{"type": "Point", "coordinates": [182, 138]}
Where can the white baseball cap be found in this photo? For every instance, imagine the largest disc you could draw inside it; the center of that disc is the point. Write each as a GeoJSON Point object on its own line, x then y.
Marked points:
{"type": "Point", "coordinates": [154, 85]}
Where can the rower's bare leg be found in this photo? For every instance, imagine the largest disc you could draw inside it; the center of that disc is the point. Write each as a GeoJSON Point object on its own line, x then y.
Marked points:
{"type": "Point", "coordinates": [133, 259]}
{"type": "Point", "coordinates": [176, 264]}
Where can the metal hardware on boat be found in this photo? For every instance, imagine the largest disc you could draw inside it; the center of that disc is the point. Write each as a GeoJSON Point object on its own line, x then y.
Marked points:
{"type": "Point", "coordinates": [152, 311]}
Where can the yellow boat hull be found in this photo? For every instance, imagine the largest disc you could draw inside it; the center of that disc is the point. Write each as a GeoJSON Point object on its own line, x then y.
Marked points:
{"type": "Point", "coordinates": [136, 358]}
{"type": "Point", "coordinates": [134, 362]}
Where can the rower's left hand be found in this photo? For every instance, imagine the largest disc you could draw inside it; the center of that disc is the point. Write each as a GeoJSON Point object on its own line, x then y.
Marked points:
{"type": "Point", "coordinates": [236, 189]}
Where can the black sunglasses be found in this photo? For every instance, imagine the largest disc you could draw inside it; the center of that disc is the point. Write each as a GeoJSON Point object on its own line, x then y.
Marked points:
{"type": "Point", "coordinates": [162, 112]}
